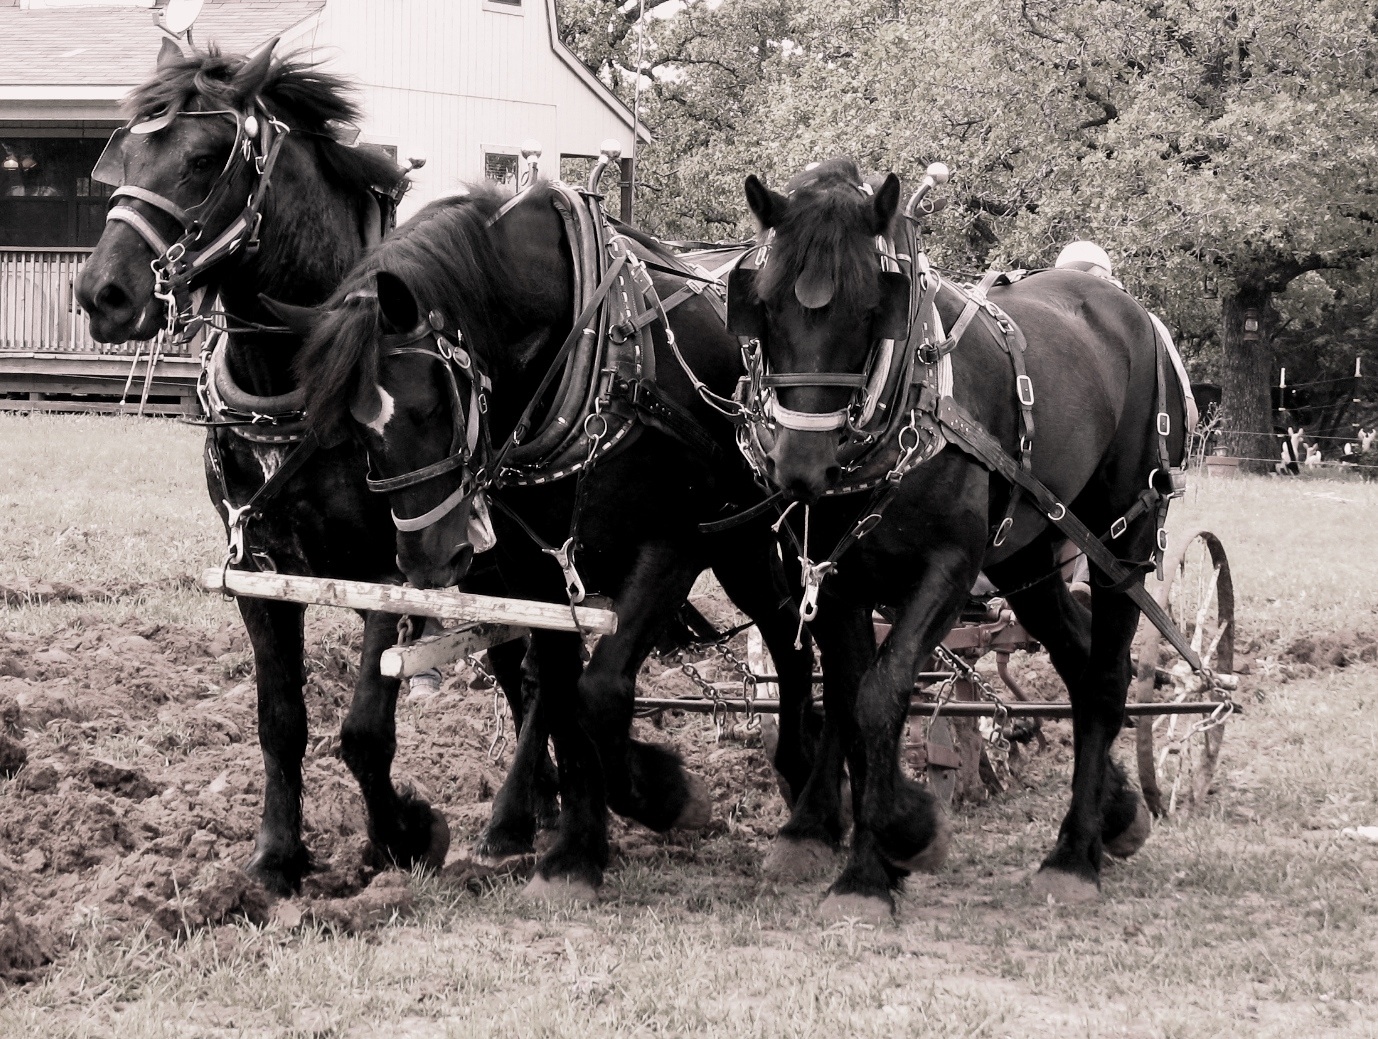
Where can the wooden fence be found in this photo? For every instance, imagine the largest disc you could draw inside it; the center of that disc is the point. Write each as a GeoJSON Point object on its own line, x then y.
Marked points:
{"type": "Point", "coordinates": [38, 307]}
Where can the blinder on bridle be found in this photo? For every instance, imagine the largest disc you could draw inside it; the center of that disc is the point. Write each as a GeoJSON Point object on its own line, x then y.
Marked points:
{"type": "Point", "coordinates": [746, 318]}
{"type": "Point", "coordinates": [431, 339]}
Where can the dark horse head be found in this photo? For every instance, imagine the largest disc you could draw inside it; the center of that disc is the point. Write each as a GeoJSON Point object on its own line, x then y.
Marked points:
{"type": "Point", "coordinates": [188, 162]}
{"type": "Point", "coordinates": [404, 346]}
{"type": "Point", "coordinates": [823, 302]}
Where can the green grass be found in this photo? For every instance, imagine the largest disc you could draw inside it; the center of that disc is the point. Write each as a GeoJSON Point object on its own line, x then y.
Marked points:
{"type": "Point", "coordinates": [1253, 918]}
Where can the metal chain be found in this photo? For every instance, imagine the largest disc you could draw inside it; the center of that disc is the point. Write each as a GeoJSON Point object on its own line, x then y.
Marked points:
{"type": "Point", "coordinates": [748, 677]}
{"type": "Point", "coordinates": [997, 742]}
{"type": "Point", "coordinates": [499, 742]}
{"type": "Point", "coordinates": [406, 630]}
{"type": "Point", "coordinates": [708, 688]}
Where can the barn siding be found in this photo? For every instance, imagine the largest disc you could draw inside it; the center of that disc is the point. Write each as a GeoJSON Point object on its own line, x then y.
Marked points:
{"type": "Point", "coordinates": [445, 78]}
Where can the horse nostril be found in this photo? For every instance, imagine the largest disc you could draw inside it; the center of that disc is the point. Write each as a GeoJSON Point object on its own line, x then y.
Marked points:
{"type": "Point", "coordinates": [111, 297]}
{"type": "Point", "coordinates": [832, 475]}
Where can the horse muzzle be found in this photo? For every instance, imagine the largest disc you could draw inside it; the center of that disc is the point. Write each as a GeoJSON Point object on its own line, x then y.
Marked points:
{"type": "Point", "coordinates": [804, 463]}
{"type": "Point", "coordinates": [422, 572]}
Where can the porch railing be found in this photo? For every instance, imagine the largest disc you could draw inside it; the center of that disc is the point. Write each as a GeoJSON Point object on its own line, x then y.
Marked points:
{"type": "Point", "coordinates": [38, 308]}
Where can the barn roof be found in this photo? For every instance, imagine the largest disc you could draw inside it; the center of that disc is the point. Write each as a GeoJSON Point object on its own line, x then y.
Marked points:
{"type": "Point", "coordinates": [44, 50]}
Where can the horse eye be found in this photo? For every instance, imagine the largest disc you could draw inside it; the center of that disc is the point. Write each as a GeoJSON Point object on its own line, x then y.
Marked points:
{"type": "Point", "coordinates": [201, 164]}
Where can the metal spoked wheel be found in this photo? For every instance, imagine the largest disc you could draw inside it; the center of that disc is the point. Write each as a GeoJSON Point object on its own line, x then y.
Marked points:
{"type": "Point", "coordinates": [1178, 752]}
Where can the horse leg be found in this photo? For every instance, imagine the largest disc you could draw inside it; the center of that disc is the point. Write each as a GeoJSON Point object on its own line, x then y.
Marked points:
{"type": "Point", "coordinates": [573, 867]}
{"type": "Point", "coordinates": [1071, 872]}
{"type": "Point", "coordinates": [403, 828]}
{"type": "Point", "coordinates": [532, 775]}
{"type": "Point", "coordinates": [898, 825]}
{"type": "Point", "coordinates": [742, 567]}
{"type": "Point", "coordinates": [1090, 650]}
{"type": "Point", "coordinates": [808, 842]}
{"type": "Point", "coordinates": [645, 782]}
{"type": "Point", "coordinates": [524, 801]}
{"type": "Point", "coordinates": [1062, 624]}
{"type": "Point", "coordinates": [280, 858]}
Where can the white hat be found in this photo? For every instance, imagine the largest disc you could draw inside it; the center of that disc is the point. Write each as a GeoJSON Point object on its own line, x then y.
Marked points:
{"type": "Point", "coordinates": [1085, 256]}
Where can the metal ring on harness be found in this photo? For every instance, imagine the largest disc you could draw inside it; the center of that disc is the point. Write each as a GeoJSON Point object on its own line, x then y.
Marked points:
{"type": "Point", "coordinates": [602, 431]}
{"type": "Point", "coordinates": [1003, 531]}
{"type": "Point", "coordinates": [1061, 511]}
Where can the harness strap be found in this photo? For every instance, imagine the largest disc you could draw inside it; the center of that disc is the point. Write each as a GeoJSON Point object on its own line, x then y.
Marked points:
{"type": "Point", "coordinates": [967, 433]}
{"type": "Point", "coordinates": [655, 409]}
{"type": "Point", "coordinates": [745, 516]}
{"type": "Point", "coordinates": [466, 489]}
{"type": "Point", "coordinates": [145, 230]}
{"type": "Point", "coordinates": [581, 328]}
{"type": "Point", "coordinates": [154, 199]}
{"type": "Point", "coordinates": [238, 517]}
{"type": "Point", "coordinates": [387, 485]}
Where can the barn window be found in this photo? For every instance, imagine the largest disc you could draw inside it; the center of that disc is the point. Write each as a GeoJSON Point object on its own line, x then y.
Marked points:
{"type": "Point", "coordinates": [500, 164]}
{"type": "Point", "coordinates": [503, 6]}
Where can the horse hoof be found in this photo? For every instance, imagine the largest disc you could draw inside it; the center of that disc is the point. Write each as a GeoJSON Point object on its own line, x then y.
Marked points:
{"type": "Point", "coordinates": [559, 889]}
{"type": "Point", "coordinates": [793, 861]}
{"type": "Point", "coordinates": [1060, 886]}
{"type": "Point", "coordinates": [440, 842]}
{"type": "Point", "coordinates": [500, 860]}
{"type": "Point", "coordinates": [856, 907]}
{"type": "Point", "coordinates": [698, 809]}
{"type": "Point", "coordinates": [1134, 836]}
{"type": "Point", "coordinates": [934, 854]}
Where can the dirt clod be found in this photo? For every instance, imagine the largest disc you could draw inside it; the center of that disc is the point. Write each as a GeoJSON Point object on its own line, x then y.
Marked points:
{"type": "Point", "coordinates": [126, 782]}
{"type": "Point", "coordinates": [13, 755]}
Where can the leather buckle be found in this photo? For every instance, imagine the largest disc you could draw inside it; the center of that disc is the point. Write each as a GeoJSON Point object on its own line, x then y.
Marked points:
{"type": "Point", "coordinates": [1025, 390]}
{"type": "Point", "coordinates": [1162, 539]}
{"type": "Point", "coordinates": [1164, 424]}
{"type": "Point", "coordinates": [1118, 527]}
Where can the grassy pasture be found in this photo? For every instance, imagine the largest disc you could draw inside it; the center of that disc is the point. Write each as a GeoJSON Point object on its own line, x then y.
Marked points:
{"type": "Point", "coordinates": [1256, 917]}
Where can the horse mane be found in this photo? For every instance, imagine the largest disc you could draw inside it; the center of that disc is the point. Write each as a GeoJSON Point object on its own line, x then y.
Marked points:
{"type": "Point", "coordinates": [297, 92]}
{"type": "Point", "coordinates": [827, 221]}
{"type": "Point", "coordinates": [447, 258]}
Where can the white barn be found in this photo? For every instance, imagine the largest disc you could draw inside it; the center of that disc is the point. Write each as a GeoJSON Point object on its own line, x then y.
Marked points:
{"type": "Point", "coordinates": [462, 83]}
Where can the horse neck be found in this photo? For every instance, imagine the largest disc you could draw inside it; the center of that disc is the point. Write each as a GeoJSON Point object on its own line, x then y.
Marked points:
{"type": "Point", "coordinates": [538, 285]}
{"type": "Point", "coordinates": [311, 237]}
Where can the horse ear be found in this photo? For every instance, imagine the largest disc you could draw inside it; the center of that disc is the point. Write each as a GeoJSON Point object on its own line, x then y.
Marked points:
{"type": "Point", "coordinates": [169, 53]}
{"type": "Point", "coordinates": [814, 288]}
{"type": "Point", "coordinates": [886, 203]}
{"type": "Point", "coordinates": [249, 80]}
{"type": "Point", "coordinates": [769, 206]}
{"type": "Point", "coordinates": [396, 305]}
{"type": "Point", "coordinates": [300, 320]}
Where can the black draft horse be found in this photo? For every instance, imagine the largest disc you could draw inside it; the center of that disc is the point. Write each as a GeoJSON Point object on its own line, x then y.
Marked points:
{"type": "Point", "coordinates": [316, 221]}
{"type": "Point", "coordinates": [1091, 357]}
{"type": "Point", "coordinates": [506, 283]}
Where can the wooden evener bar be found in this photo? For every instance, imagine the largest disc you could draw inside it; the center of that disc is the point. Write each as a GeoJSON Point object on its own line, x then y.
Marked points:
{"type": "Point", "coordinates": [446, 603]}
{"type": "Point", "coordinates": [439, 650]}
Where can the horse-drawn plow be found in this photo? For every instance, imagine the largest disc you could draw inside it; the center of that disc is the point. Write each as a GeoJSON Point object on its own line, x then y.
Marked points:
{"type": "Point", "coordinates": [963, 733]}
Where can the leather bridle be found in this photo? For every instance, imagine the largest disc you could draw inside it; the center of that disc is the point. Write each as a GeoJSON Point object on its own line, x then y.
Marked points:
{"type": "Point", "coordinates": [180, 263]}
{"type": "Point", "coordinates": [746, 317]}
{"type": "Point", "coordinates": [432, 339]}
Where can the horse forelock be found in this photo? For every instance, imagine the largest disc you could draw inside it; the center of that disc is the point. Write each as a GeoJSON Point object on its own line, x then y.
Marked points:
{"type": "Point", "coordinates": [446, 257]}
{"type": "Point", "coordinates": [296, 92]}
{"type": "Point", "coordinates": [827, 222]}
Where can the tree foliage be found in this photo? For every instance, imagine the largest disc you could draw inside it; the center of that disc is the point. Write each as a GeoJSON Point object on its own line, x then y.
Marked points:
{"type": "Point", "coordinates": [1218, 149]}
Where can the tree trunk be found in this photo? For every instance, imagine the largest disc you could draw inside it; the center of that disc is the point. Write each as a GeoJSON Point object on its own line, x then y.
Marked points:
{"type": "Point", "coordinates": [1247, 375]}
